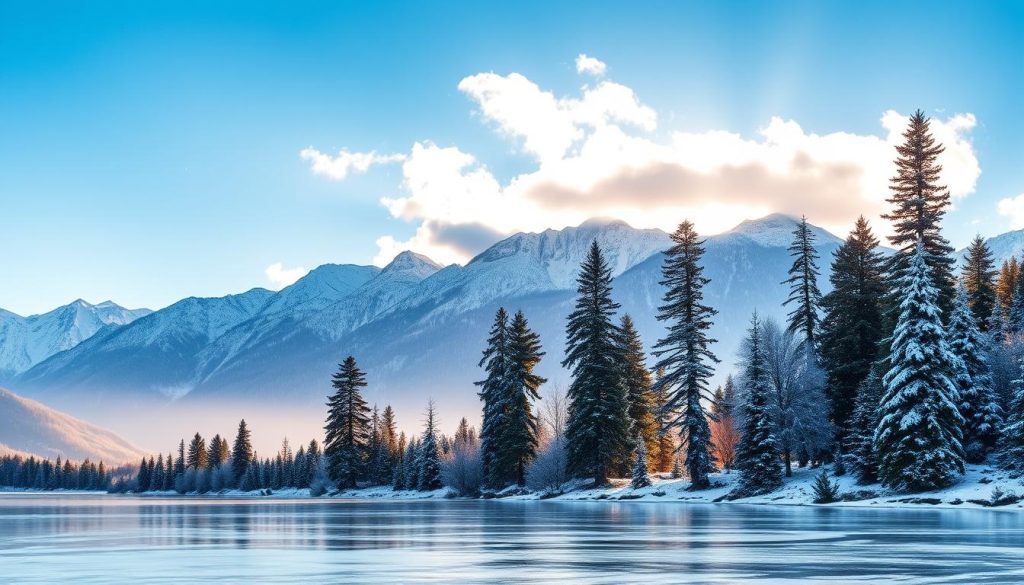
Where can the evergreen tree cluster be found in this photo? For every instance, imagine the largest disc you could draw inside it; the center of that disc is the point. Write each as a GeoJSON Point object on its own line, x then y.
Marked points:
{"type": "Point", "coordinates": [17, 471]}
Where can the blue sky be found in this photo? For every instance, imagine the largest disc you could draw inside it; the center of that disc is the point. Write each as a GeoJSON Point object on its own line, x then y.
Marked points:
{"type": "Point", "coordinates": [150, 151]}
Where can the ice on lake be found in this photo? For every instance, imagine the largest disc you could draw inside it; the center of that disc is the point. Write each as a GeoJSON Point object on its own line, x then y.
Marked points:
{"type": "Point", "coordinates": [105, 539]}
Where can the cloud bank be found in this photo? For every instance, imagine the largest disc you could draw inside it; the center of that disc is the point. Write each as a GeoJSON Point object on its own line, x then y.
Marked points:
{"type": "Point", "coordinates": [280, 277]}
{"type": "Point", "coordinates": [596, 155]}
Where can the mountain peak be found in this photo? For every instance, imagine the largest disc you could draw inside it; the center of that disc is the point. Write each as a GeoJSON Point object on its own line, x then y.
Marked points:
{"type": "Point", "coordinates": [776, 230]}
{"type": "Point", "coordinates": [409, 261]}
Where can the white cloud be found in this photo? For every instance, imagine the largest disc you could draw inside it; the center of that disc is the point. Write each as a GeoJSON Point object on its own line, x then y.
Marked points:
{"type": "Point", "coordinates": [596, 157]}
{"type": "Point", "coordinates": [1013, 208]}
{"type": "Point", "coordinates": [338, 167]}
{"type": "Point", "coordinates": [280, 277]}
{"type": "Point", "coordinates": [590, 65]}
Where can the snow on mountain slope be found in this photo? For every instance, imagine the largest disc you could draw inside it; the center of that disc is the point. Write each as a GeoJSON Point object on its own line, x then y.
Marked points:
{"type": "Point", "coordinates": [154, 354]}
{"type": "Point", "coordinates": [321, 287]}
{"type": "Point", "coordinates": [26, 341]}
{"type": "Point", "coordinates": [27, 426]}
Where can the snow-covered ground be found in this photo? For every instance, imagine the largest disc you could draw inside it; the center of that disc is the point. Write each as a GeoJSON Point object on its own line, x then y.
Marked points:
{"type": "Point", "coordinates": [975, 490]}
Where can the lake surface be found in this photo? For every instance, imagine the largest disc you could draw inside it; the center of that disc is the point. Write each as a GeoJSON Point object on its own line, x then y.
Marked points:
{"type": "Point", "coordinates": [105, 539]}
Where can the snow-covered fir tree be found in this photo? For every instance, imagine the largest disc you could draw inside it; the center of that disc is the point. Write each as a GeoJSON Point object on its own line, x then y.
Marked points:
{"type": "Point", "coordinates": [757, 455]}
{"type": "Point", "coordinates": [518, 439]}
{"type": "Point", "coordinates": [978, 406]}
{"type": "Point", "coordinates": [684, 353]}
{"type": "Point", "coordinates": [428, 460]}
{"type": "Point", "coordinates": [919, 204]}
{"type": "Point", "coordinates": [852, 326]}
{"type": "Point", "coordinates": [804, 318]}
{"type": "Point", "coordinates": [979, 276]}
{"type": "Point", "coordinates": [641, 478]}
{"type": "Point", "coordinates": [637, 379]}
{"type": "Point", "coordinates": [859, 450]}
{"type": "Point", "coordinates": [920, 428]}
{"type": "Point", "coordinates": [494, 392]}
{"type": "Point", "coordinates": [598, 427]}
{"type": "Point", "coordinates": [347, 430]}
{"type": "Point", "coordinates": [1011, 455]}
{"type": "Point", "coordinates": [241, 452]}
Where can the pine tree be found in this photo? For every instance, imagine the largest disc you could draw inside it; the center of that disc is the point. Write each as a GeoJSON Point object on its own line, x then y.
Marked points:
{"type": "Point", "coordinates": [1015, 311]}
{"type": "Point", "coordinates": [428, 465]}
{"type": "Point", "coordinates": [861, 454]}
{"type": "Point", "coordinates": [826, 491]}
{"type": "Point", "coordinates": [979, 278]}
{"type": "Point", "coordinates": [241, 454]}
{"type": "Point", "coordinates": [1006, 285]}
{"type": "Point", "coordinates": [597, 432]}
{"type": "Point", "coordinates": [919, 432]}
{"type": "Point", "coordinates": [179, 465]}
{"type": "Point", "coordinates": [803, 285]}
{"type": "Point", "coordinates": [198, 458]}
{"type": "Point", "coordinates": [1011, 455]}
{"type": "Point", "coordinates": [971, 374]}
{"type": "Point", "coordinates": [494, 391]}
{"type": "Point", "coordinates": [389, 433]}
{"type": "Point", "coordinates": [637, 379]}
{"type": "Point", "coordinates": [665, 455]}
{"type": "Point", "coordinates": [518, 440]}
{"type": "Point", "coordinates": [757, 455]}
{"type": "Point", "coordinates": [852, 327]}
{"type": "Point", "coordinates": [348, 426]}
{"type": "Point", "coordinates": [156, 480]}
{"type": "Point", "coordinates": [218, 452]}
{"type": "Point", "coordinates": [684, 352]}
{"type": "Point", "coordinates": [142, 478]}
{"type": "Point", "coordinates": [640, 477]}
{"type": "Point", "coordinates": [919, 204]}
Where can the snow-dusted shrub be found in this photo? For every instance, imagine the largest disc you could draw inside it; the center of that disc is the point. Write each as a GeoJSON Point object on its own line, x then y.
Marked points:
{"type": "Point", "coordinates": [462, 469]}
{"type": "Point", "coordinates": [221, 478]}
{"type": "Point", "coordinates": [826, 491]}
{"type": "Point", "coordinates": [548, 470]}
{"type": "Point", "coordinates": [320, 484]}
{"type": "Point", "coordinates": [186, 482]}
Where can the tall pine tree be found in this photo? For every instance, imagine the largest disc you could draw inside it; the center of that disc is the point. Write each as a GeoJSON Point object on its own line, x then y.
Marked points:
{"type": "Point", "coordinates": [757, 455]}
{"type": "Point", "coordinates": [518, 441]}
{"type": "Point", "coordinates": [348, 426]}
{"type": "Point", "coordinates": [684, 352]}
{"type": "Point", "coordinates": [598, 428]}
{"type": "Point", "coordinates": [494, 390]}
{"type": "Point", "coordinates": [1006, 283]}
{"type": "Point", "coordinates": [919, 204]}
{"type": "Point", "coordinates": [804, 318]}
{"type": "Point", "coordinates": [428, 460]}
{"type": "Point", "coordinates": [637, 379]}
{"type": "Point", "coordinates": [979, 278]}
{"type": "Point", "coordinates": [852, 326]}
{"type": "Point", "coordinates": [919, 432]}
{"type": "Point", "coordinates": [241, 453]}
{"type": "Point", "coordinates": [978, 406]}
{"type": "Point", "coordinates": [860, 439]}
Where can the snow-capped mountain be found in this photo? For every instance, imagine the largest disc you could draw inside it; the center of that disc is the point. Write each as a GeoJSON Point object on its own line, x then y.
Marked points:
{"type": "Point", "coordinates": [27, 426]}
{"type": "Point", "coordinates": [415, 327]}
{"type": "Point", "coordinates": [1003, 247]}
{"type": "Point", "coordinates": [26, 341]}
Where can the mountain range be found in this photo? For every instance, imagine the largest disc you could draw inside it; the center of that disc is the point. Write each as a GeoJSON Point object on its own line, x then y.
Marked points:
{"type": "Point", "coordinates": [417, 328]}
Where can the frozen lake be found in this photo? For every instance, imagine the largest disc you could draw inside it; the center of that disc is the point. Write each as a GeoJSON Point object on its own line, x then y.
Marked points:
{"type": "Point", "coordinates": [103, 539]}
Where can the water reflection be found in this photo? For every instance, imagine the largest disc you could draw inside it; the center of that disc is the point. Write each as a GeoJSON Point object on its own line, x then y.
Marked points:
{"type": "Point", "coordinates": [93, 539]}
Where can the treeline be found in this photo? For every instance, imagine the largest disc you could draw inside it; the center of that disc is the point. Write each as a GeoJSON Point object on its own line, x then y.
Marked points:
{"type": "Point", "coordinates": [35, 473]}
{"type": "Point", "coordinates": [902, 373]}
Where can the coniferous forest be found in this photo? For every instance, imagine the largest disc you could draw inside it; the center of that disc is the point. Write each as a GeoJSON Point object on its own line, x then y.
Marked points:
{"type": "Point", "coordinates": [908, 369]}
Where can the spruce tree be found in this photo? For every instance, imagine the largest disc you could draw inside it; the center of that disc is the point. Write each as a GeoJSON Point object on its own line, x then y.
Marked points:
{"type": "Point", "coordinates": [428, 464]}
{"type": "Point", "coordinates": [972, 376]}
{"type": "Point", "coordinates": [641, 479]}
{"type": "Point", "coordinates": [803, 285]}
{"type": "Point", "coordinates": [198, 458]}
{"type": "Point", "coordinates": [757, 455]}
{"type": "Point", "coordinates": [861, 455]}
{"type": "Point", "coordinates": [1006, 284]}
{"type": "Point", "coordinates": [389, 433]}
{"type": "Point", "coordinates": [919, 204]}
{"type": "Point", "coordinates": [852, 327]}
{"type": "Point", "coordinates": [494, 392]}
{"type": "Point", "coordinates": [979, 276]}
{"type": "Point", "coordinates": [919, 432]}
{"type": "Point", "coordinates": [1015, 311]}
{"type": "Point", "coordinates": [597, 432]}
{"type": "Point", "coordinates": [241, 454]}
{"type": "Point", "coordinates": [219, 453]}
{"type": "Point", "coordinates": [684, 352]}
{"type": "Point", "coordinates": [156, 480]}
{"type": "Point", "coordinates": [518, 440]}
{"type": "Point", "coordinates": [1011, 455]}
{"type": "Point", "coordinates": [637, 379]}
{"type": "Point", "coordinates": [348, 426]}
{"type": "Point", "coordinates": [179, 465]}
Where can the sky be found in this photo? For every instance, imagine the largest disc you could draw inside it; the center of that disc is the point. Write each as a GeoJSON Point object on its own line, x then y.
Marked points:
{"type": "Point", "coordinates": [154, 151]}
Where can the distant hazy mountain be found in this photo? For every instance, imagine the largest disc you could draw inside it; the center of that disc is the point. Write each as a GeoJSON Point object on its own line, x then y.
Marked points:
{"type": "Point", "coordinates": [26, 341]}
{"type": "Point", "coordinates": [416, 328]}
{"type": "Point", "coordinates": [28, 427]}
